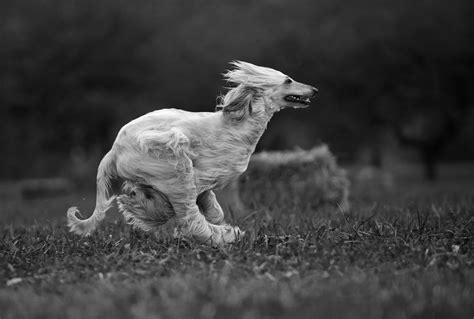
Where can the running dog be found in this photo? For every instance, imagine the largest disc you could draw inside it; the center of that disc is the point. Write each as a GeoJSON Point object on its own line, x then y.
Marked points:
{"type": "Point", "coordinates": [171, 160]}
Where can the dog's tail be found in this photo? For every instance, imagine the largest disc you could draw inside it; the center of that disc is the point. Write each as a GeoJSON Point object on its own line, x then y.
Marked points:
{"type": "Point", "coordinates": [105, 173]}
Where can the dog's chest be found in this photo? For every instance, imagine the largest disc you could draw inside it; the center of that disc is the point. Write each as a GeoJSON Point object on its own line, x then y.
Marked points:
{"type": "Point", "coordinates": [217, 171]}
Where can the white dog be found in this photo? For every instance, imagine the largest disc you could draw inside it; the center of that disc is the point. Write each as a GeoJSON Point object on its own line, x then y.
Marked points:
{"type": "Point", "coordinates": [171, 160]}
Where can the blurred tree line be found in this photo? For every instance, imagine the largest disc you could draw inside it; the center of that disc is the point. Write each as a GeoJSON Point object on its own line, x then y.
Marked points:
{"type": "Point", "coordinates": [73, 72]}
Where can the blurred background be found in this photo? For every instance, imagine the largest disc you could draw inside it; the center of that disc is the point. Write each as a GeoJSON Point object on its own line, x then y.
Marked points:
{"type": "Point", "coordinates": [395, 77]}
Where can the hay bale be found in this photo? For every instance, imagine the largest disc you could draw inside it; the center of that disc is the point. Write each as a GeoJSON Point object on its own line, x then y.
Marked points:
{"type": "Point", "coordinates": [303, 177]}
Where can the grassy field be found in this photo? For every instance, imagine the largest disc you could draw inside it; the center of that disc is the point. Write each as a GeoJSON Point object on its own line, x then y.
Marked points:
{"type": "Point", "coordinates": [405, 252]}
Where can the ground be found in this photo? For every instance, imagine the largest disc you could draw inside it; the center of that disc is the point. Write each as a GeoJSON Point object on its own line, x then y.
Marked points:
{"type": "Point", "coordinates": [402, 251]}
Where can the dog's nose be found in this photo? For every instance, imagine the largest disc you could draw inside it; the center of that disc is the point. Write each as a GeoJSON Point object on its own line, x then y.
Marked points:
{"type": "Point", "coordinates": [315, 91]}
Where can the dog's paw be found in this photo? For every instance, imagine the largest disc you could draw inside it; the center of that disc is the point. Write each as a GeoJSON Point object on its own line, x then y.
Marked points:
{"type": "Point", "coordinates": [123, 203]}
{"type": "Point", "coordinates": [229, 234]}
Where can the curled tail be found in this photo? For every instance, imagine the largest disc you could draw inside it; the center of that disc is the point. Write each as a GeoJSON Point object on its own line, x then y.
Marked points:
{"type": "Point", "coordinates": [105, 173]}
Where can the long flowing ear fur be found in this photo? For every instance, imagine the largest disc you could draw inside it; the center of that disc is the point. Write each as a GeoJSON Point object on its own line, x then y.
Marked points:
{"type": "Point", "coordinates": [236, 105]}
{"type": "Point", "coordinates": [250, 81]}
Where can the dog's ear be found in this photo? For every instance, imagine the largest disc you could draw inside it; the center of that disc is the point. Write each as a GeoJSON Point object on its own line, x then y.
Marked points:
{"type": "Point", "coordinates": [237, 103]}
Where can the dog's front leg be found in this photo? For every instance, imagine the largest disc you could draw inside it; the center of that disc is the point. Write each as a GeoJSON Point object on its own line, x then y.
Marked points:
{"type": "Point", "coordinates": [194, 224]}
{"type": "Point", "coordinates": [211, 208]}
{"type": "Point", "coordinates": [181, 193]}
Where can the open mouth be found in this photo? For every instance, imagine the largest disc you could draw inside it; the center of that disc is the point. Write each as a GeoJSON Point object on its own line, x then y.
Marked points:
{"type": "Point", "coordinates": [305, 100]}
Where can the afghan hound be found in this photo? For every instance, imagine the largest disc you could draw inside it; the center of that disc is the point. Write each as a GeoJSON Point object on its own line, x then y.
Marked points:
{"type": "Point", "coordinates": [170, 160]}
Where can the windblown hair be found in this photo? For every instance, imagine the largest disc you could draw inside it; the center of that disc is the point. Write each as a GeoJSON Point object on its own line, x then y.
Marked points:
{"type": "Point", "coordinates": [249, 81]}
{"type": "Point", "coordinates": [237, 103]}
{"type": "Point", "coordinates": [254, 76]}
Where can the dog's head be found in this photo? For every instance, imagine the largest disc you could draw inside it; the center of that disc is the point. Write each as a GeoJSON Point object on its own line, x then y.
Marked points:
{"type": "Point", "coordinates": [275, 88]}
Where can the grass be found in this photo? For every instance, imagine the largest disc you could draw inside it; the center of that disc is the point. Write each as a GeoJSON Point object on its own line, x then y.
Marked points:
{"type": "Point", "coordinates": [403, 253]}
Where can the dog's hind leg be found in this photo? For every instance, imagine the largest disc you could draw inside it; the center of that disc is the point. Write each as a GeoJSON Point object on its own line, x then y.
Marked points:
{"type": "Point", "coordinates": [211, 208]}
{"type": "Point", "coordinates": [143, 206]}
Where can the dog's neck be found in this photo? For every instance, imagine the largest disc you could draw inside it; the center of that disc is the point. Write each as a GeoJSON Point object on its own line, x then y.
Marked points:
{"type": "Point", "coordinates": [252, 125]}
{"type": "Point", "coordinates": [256, 123]}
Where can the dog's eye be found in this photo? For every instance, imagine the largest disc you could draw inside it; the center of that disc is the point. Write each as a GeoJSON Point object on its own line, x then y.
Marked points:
{"type": "Point", "coordinates": [288, 81]}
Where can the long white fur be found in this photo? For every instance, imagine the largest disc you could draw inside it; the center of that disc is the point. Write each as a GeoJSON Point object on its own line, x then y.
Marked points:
{"type": "Point", "coordinates": [184, 155]}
